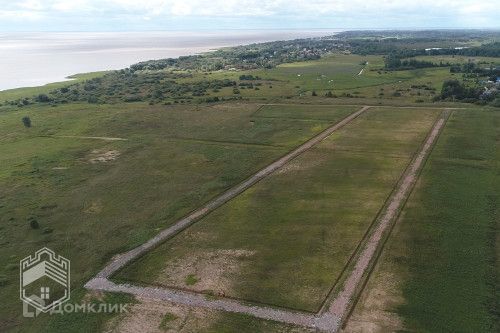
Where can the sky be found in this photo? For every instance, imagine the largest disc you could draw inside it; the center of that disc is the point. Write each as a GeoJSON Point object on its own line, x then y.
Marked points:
{"type": "Point", "coordinates": [138, 15]}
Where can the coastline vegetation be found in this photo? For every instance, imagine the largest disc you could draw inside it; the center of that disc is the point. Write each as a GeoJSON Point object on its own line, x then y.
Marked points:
{"type": "Point", "coordinates": [221, 75]}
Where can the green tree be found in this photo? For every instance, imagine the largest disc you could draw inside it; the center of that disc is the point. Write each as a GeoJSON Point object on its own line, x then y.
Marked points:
{"type": "Point", "coordinates": [392, 61]}
{"type": "Point", "coordinates": [453, 89]}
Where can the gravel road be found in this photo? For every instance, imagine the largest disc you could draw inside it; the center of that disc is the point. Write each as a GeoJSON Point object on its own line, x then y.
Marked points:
{"type": "Point", "coordinates": [326, 321]}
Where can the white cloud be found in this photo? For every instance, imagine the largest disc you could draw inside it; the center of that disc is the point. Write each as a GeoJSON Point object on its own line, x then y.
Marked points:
{"type": "Point", "coordinates": [32, 5]}
{"type": "Point", "coordinates": [254, 7]}
{"type": "Point", "coordinates": [20, 15]}
{"type": "Point", "coordinates": [479, 8]}
{"type": "Point", "coordinates": [66, 6]}
{"type": "Point", "coordinates": [468, 10]}
{"type": "Point", "coordinates": [180, 8]}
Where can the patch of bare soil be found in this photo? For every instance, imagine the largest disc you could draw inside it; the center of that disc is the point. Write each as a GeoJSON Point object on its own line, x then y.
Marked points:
{"type": "Point", "coordinates": [300, 164]}
{"type": "Point", "coordinates": [147, 316]}
{"type": "Point", "coordinates": [93, 295]}
{"type": "Point", "coordinates": [95, 207]}
{"type": "Point", "coordinates": [102, 156]}
{"type": "Point", "coordinates": [204, 271]}
{"type": "Point", "coordinates": [373, 313]}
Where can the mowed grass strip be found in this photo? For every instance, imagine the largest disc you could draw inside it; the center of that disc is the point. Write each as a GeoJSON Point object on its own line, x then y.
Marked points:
{"type": "Point", "coordinates": [95, 198]}
{"type": "Point", "coordinates": [448, 237]}
{"type": "Point", "coordinates": [285, 240]}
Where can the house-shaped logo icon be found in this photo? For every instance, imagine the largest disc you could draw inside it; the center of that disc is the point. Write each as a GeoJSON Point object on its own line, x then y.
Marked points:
{"type": "Point", "coordinates": [44, 280]}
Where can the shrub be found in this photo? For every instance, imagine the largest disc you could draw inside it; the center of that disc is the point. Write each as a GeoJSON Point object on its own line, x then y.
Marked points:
{"type": "Point", "coordinates": [34, 224]}
{"type": "Point", "coordinates": [496, 102]}
{"type": "Point", "coordinates": [26, 121]}
{"type": "Point", "coordinates": [42, 98]}
{"type": "Point", "coordinates": [249, 77]}
{"type": "Point", "coordinates": [92, 100]}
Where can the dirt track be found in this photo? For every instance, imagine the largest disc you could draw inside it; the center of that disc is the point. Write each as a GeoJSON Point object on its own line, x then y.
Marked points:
{"type": "Point", "coordinates": [329, 320]}
{"type": "Point", "coordinates": [343, 301]}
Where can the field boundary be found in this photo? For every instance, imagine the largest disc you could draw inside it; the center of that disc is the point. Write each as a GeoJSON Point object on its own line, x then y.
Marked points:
{"type": "Point", "coordinates": [446, 115]}
{"type": "Point", "coordinates": [355, 254]}
{"type": "Point", "coordinates": [381, 106]}
{"type": "Point", "coordinates": [104, 138]}
{"type": "Point", "coordinates": [224, 143]}
{"type": "Point", "coordinates": [121, 260]}
{"type": "Point", "coordinates": [367, 256]}
{"type": "Point", "coordinates": [292, 118]}
{"type": "Point", "coordinates": [329, 320]}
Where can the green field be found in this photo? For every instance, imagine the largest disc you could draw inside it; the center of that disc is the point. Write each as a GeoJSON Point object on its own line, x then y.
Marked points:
{"type": "Point", "coordinates": [441, 254]}
{"type": "Point", "coordinates": [286, 240]}
{"type": "Point", "coordinates": [173, 160]}
{"type": "Point", "coordinates": [337, 73]}
{"type": "Point", "coordinates": [462, 177]}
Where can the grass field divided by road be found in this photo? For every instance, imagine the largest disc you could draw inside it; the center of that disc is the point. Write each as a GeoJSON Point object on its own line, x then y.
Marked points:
{"type": "Point", "coordinates": [178, 157]}
{"type": "Point", "coordinates": [437, 272]}
{"type": "Point", "coordinates": [289, 253]}
{"type": "Point", "coordinates": [160, 173]}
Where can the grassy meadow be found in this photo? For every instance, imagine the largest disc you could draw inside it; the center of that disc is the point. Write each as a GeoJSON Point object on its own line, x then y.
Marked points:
{"type": "Point", "coordinates": [286, 240]}
{"type": "Point", "coordinates": [337, 73]}
{"type": "Point", "coordinates": [452, 226]}
{"type": "Point", "coordinates": [93, 198]}
{"type": "Point", "coordinates": [437, 271]}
